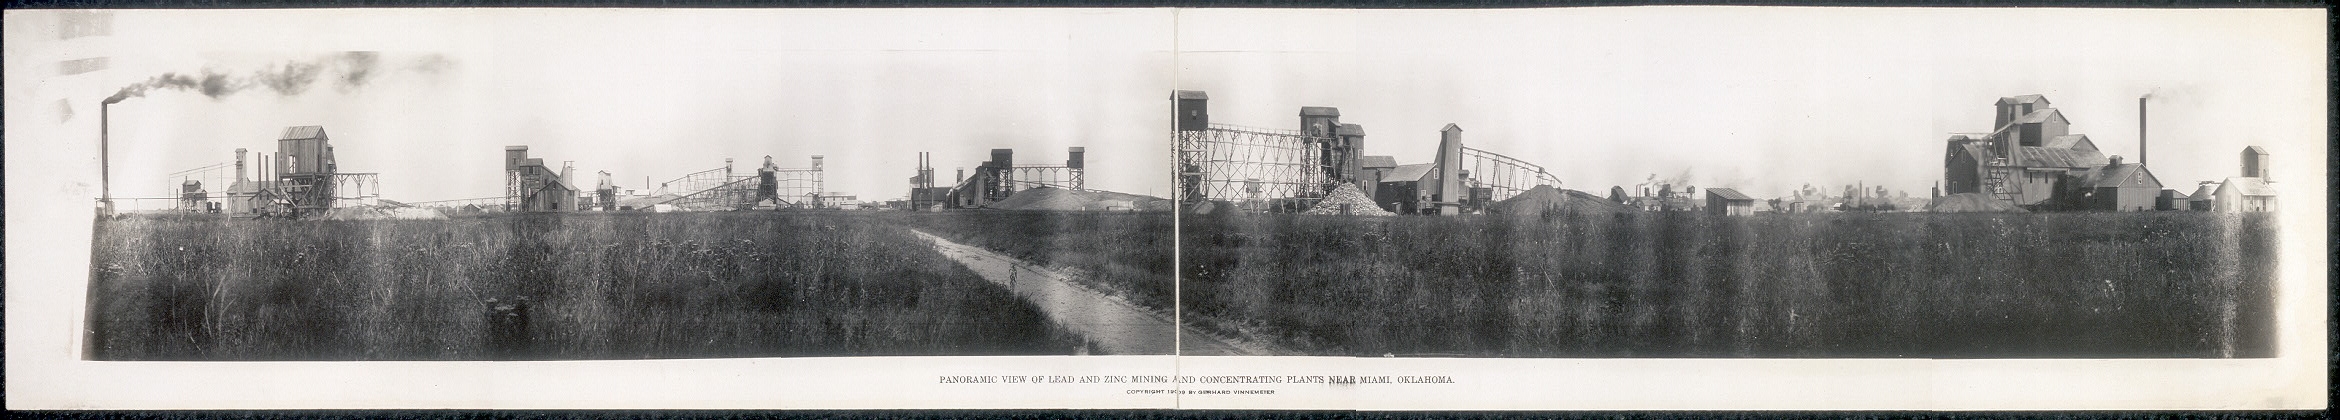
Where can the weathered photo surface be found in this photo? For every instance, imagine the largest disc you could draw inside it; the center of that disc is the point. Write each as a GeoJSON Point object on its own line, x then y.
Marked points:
{"type": "Point", "coordinates": [1766, 185]}
{"type": "Point", "coordinates": [1602, 208]}
{"type": "Point", "coordinates": [643, 190]}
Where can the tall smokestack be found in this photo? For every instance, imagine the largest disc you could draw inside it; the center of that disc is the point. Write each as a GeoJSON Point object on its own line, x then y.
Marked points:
{"type": "Point", "coordinates": [1449, 192]}
{"type": "Point", "coordinates": [240, 165]}
{"type": "Point", "coordinates": [2141, 128]}
{"type": "Point", "coordinates": [105, 164]}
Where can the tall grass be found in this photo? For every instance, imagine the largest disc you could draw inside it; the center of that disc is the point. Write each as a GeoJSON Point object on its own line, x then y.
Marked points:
{"type": "Point", "coordinates": [2175, 284]}
{"type": "Point", "coordinates": [600, 286]}
{"type": "Point", "coordinates": [1126, 254]}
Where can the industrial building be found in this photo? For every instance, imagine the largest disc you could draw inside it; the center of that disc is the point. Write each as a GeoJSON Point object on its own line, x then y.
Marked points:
{"type": "Point", "coordinates": [301, 179]}
{"type": "Point", "coordinates": [1400, 188]}
{"type": "Point", "coordinates": [2252, 192]}
{"type": "Point", "coordinates": [996, 179]}
{"type": "Point", "coordinates": [1291, 170]}
{"type": "Point", "coordinates": [924, 195]}
{"type": "Point", "coordinates": [2032, 160]}
{"type": "Point", "coordinates": [2243, 195]}
{"type": "Point", "coordinates": [2022, 158]}
{"type": "Point", "coordinates": [529, 186]}
{"type": "Point", "coordinates": [723, 188]}
{"type": "Point", "coordinates": [2118, 187]}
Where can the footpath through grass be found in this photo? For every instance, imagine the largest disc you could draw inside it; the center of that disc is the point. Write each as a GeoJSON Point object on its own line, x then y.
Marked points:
{"type": "Point", "coordinates": [2173, 284]}
{"type": "Point", "coordinates": [1124, 254]}
{"type": "Point", "coordinates": [600, 286]}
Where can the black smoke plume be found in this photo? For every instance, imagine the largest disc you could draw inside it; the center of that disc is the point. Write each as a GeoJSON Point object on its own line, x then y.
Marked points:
{"type": "Point", "coordinates": [349, 70]}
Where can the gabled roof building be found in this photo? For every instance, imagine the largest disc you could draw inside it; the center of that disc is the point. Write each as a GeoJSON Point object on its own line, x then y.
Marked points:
{"type": "Point", "coordinates": [1728, 202]}
{"type": "Point", "coordinates": [2119, 187]}
{"type": "Point", "coordinates": [2022, 158]}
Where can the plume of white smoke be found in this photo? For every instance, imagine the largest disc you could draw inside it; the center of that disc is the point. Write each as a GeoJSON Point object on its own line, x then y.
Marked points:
{"type": "Point", "coordinates": [2180, 94]}
{"type": "Point", "coordinates": [349, 71]}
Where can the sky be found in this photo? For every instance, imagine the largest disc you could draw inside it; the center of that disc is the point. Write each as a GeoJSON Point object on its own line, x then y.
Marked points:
{"type": "Point", "coordinates": [1768, 99]}
{"type": "Point", "coordinates": [642, 94]}
{"type": "Point", "coordinates": [1759, 99]}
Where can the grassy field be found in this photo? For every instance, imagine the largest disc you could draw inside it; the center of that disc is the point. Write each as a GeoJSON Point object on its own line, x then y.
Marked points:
{"type": "Point", "coordinates": [2177, 284]}
{"type": "Point", "coordinates": [600, 286]}
{"type": "Point", "coordinates": [1125, 254]}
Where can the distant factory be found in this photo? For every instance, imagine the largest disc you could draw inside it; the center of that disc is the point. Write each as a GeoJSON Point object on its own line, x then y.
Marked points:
{"type": "Point", "coordinates": [2031, 160]}
{"type": "Point", "coordinates": [1281, 170]}
{"type": "Point", "coordinates": [301, 179]}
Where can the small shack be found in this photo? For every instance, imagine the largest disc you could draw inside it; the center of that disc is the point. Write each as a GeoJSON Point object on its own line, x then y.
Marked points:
{"type": "Point", "coordinates": [2244, 195]}
{"type": "Point", "coordinates": [2120, 187]}
{"type": "Point", "coordinates": [1728, 202]}
{"type": "Point", "coordinates": [1400, 190]}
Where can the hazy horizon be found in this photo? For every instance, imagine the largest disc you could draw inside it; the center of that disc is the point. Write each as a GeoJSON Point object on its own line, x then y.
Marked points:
{"type": "Point", "coordinates": [1759, 99]}
{"type": "Point", "coordinates": [1768, 99]}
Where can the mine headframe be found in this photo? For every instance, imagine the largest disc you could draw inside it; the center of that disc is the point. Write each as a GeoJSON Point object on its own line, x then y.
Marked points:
{"type": "Point", "coordinates": [1242, 164]}
{"type": "Point", "coordinates": [530, 186]}
{"type": "Point", "coordinates": [300, 180]}
{"type": "Point", "coordinates": [723, 188]}
{"type": "Point", "coordinates": [1494, 177]}
{"type": "Point", "coordinates": [1000, 177]}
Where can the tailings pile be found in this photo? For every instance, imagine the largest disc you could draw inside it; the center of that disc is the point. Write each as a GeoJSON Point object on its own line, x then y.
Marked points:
{"type": "Point", "coordinates": [1544, 199]}
{"type": "Point", "coordinates": [1359, 204]}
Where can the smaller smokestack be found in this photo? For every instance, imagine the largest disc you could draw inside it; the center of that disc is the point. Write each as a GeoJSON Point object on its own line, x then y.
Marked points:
{"type": "Point", "coordinates": [961, 177]}
{"type": "Point", "coordinates": [105, 157]}
{"type": "Point", "coordinates": [239, 166]}
{"type": "Point", "coordinates": [2141, 128]}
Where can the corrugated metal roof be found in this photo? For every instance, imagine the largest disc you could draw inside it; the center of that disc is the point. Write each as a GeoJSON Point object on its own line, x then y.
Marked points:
{"type": "Point", "coordinates": [1351, 130]}
{"type": "Point", "coordinates": [1378, 162]}
{"type": "Point", "coordinates": [2249, 186]}
{"type": "Point", "coordinates": [2050, 157]}
{"type": "Point", "coordinates": [1319, 111]}
{"type": "Point", "coordinates": [2255, 149]}
{"type": "Point", "coordinates": [1981, 152]}
{"type": "Point", "coordinates": [1450, 127]}
{"type": "Point", "coordinates": [302, 132]}
{"type": "Point", "coordinates": [1727, 194]}
{"type": "Point", "coordinates": [2069, 140]}
{"type": "Point", "coordinates": [1189, 94]}
{"type": "Point", "coordinates": [1407, 173]}
{"type": "Point", "coordinates": [2122, 175]}
{"type": "Point", "coordinates": [2023, 99]}
{"type": "Point", "coordinates": [2042, 115]}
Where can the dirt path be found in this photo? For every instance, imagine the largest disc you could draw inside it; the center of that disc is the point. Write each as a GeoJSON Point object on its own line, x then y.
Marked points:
{"type": "Point", "coordinates": [1114, 326]}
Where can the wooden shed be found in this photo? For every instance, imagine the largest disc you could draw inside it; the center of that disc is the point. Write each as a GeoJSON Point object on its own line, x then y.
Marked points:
{"type": "Point", "coordinates": [2120, 187]}
{"type": "Point", "coordinates": [1728, 202]}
